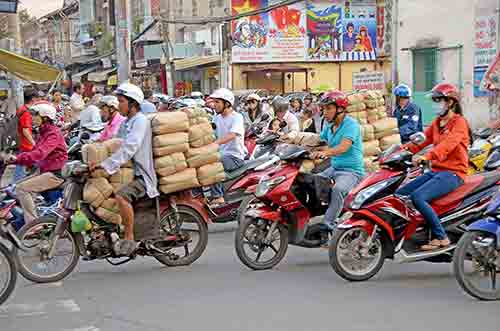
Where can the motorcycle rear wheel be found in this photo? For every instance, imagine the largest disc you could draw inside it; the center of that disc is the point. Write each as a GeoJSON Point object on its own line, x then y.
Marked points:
{"type": "Point", "coordinates": [259, 229]}
{"type": "Point", "coordinates": [464, 254]}
{"type": "Point", "coordinates": [7, 262]}
{"type": "Point", "coordinates": [186, 216]}
{"type": "Point", "coordinates": [36, 230]}
{"type": "Point", "coordinates": [337, 251]}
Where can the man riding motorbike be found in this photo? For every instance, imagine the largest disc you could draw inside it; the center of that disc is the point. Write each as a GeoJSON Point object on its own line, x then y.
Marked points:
{"type": "Point", "coordinates": [449, 133]}
{"type": "Point", "coordinates": [407, 113]}
{"type": "Point", "coordinates": [49, 154]}
{"type": "Point", "coordinates": [280, 106]}
{"type": "Point", "coordinates": [253, 111]}
{"type": "Point", "coordinates": [343, 136]}
{"type": "Point", "coordinates": [111, 116]}
{"type": "Point", "coordinates": [137, 146]}
{"type": "Point", "coordinates": [230, 133]}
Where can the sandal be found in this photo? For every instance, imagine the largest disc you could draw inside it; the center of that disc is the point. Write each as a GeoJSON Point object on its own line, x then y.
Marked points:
{"type": "Point", "coordinates": [436, 244]}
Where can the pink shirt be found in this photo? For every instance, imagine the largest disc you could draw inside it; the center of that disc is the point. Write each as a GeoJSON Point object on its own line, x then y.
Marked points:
{"type": "Point", "coordinates": [112, 127]}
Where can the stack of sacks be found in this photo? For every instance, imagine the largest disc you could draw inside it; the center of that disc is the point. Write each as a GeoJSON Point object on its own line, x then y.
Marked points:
{"type": "Point", "coordinates": [307, 139]}
{"type": "Point", "coordinates": [368, 132]}
{"type": "Point", "coordinates": [357, 107]}
{"type": "Point", "coordinates": [373, 99]}
{"type": "Point", "coordinates": [100, 187]}
{"type": "Point", "coordinates": [197, 115]}
{"type": "Point", "coordinates": [386, 130]}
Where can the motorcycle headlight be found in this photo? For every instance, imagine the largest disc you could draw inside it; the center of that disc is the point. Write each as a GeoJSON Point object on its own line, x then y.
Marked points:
{"type": "Point", "coordinates": [370, 191]}
{"type": "Point", "coordinates": [265, 185]}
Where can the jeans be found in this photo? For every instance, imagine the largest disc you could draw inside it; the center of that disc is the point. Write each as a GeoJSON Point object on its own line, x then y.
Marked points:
{"type": "Point", "coordinates": [230, 163]}
{"type": "Point", "coordinates": [345, 181]}
{"type": "Point", "coordinates": [19, 173]}
{"type": "Point", "coordinates": [426, 188]}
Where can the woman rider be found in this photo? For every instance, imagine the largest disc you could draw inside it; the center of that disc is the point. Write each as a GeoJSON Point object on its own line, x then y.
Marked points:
{"type": "Point", "coordinates": [449, 133]}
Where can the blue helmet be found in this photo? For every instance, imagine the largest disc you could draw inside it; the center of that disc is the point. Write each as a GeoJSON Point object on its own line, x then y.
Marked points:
{"type": "Point", "coordinates": [402, 90]}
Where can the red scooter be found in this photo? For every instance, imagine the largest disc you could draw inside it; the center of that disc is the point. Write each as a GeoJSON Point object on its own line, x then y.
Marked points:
{"type": "Point", "coordinates": [378, 224]}
{"type": "Point", "coordinates": [284, 203]}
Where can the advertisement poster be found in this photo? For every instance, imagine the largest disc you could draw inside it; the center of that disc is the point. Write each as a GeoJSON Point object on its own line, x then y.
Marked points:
{"type": "Point", "coordinates": [369, 80]}
{"type": "Point", "coordinates": [324, 31]}
{"type": "Point", "coordinates": [359, 37]}
{"type": "Point", "coordinates": [479, 90]}
{"type": "Point", "coordinates": [485, 40]}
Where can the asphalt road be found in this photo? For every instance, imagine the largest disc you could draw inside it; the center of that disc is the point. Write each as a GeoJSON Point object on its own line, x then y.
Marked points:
{"type": "Point", "coordinates": [219, 293]}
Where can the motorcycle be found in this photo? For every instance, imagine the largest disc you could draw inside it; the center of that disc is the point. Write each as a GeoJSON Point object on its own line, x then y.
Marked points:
{"type": "Point", "coordinates": [476, 262]}
{"type": "Point", "coordinates": [173, 235]}
{"type": "Point", "coordinates": [252, 133]}
{"type": "Point", "coordinates": [281, 211]}
{"type": "Point", "coordinates": [378, 224]}
{"type": "Point", "coordinates": [235, 186]}
{"type": "Point", "coordinates": [8, 268]}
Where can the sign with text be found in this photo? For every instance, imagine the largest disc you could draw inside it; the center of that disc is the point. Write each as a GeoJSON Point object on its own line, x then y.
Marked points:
{"type": "Point", "coordinates": [368, 80]}
{"type": "Point", "coordinates": [485, 39]}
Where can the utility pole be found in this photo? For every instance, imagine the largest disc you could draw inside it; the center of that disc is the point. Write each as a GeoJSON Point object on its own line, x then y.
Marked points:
{"type": "Point", "coordinates": [16, 84]}
{"type": "Point", "coordinates": [122, 14]}
{"type": "Point", "coordinates": [165, 36]}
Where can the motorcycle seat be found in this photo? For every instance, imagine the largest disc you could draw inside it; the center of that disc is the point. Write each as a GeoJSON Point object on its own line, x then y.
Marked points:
{"type": "Point", "coordinates": [249, 165]}
{"type": "Point", "coordinates": [472, 184]}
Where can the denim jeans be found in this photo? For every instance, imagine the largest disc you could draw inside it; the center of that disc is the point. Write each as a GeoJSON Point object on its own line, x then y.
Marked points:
{"type": "Point", "coordinates": [20, 173]}
{"type": "Point", "coordinates": [345, 181]}
{"type": "Point", "coordinates": [230, 163]}
{"type": "Point", "coordinates": [426, 188]}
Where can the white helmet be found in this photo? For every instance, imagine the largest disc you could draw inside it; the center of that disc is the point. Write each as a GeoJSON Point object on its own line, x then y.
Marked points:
{"type": "Point", "coordinates": [110, 101]}
{"type": "Point", "coordinates": [197, 94]}
{"type": "Point", "coordinates": [44, 109]}
{"type": "Point", "coordinates": [255, 97]}
{"type": "Point", "coordinates": [132, 91]}
{"type": "Point", "coordinates": [223, 94]}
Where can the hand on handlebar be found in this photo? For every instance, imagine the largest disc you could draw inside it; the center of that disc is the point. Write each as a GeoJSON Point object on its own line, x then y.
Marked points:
{"type": "Point", "coordinates": [319, 155]}
{"type": "Point", "coordinates": [418, 160]}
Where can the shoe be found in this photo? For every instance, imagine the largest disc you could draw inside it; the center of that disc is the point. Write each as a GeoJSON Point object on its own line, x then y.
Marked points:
{"type": "Point", "coordinates": [125, 247]}
{"type": "Point", "coordinates": [436, 244]}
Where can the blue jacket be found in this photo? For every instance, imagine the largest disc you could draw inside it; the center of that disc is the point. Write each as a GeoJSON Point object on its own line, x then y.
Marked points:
{"type": "Point", "coordinates": [409, 121]}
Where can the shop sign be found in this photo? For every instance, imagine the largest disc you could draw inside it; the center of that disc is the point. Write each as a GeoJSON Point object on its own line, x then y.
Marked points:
{"type": "Point", "coordinates": [485, 39]}
{"type": "Point", "coordinates": [368, 80]}
{"type": "Point", "coordinates": [313, 31]}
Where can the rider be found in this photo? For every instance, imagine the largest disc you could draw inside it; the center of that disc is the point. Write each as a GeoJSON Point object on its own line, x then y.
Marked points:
{"type": "Point", "coordinates": [407, 113]}
{"type": "Point", "coordinates": [110, 115]}
{"type": "Point", "coordinates": [296, 105]}
{"type": "Point", "coordinates": [254, 110]}
{"type": "Point", "coordinates": [49, 154]}
{"type": "Point", "coordinates": [449, 133]}
{"type": "Point", "coordinates": [280, 106]}
{"type": "Point", "coordinates": [230, 132]}
{"type": "Point", "coordinates": [343, 136]}
{"type": "Point", "coordinates": [137, 146]}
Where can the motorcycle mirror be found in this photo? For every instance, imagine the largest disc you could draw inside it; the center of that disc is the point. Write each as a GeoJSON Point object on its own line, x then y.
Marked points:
{"type": "Point", "coordinates": [417, 138]}
{"type": "Point", "coordinates": [85, 136]}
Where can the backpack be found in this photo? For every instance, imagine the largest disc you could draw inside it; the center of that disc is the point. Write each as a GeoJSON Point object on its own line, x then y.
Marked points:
{"type": "Point", "coordinates": [9, 139]}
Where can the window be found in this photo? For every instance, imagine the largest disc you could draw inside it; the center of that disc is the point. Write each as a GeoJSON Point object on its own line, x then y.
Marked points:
{"type": "Point", "coordinates": [213, 35]}
{"type": "Point", "coordinates": [195, 8]}
{"type": "Point", "coordinates": [425, 69]}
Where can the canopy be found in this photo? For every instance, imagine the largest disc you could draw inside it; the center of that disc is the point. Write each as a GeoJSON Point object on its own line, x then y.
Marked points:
{"type": "Point", "coordinates": [27, 69]}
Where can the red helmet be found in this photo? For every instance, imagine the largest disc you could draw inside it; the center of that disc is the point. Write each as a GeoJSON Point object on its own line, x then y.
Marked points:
{"type": "Point", "coordinates": [446, 90]}
{"type": "Point", "coordinates": [335, 97]}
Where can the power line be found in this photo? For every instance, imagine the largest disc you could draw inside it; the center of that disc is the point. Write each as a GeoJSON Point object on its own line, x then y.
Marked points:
{"type": "Point", "coordinates": [229, 18]}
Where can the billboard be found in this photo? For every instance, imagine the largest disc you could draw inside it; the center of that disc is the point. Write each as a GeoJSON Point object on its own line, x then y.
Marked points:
{"type": "Point", "coordinates": [314, 30]}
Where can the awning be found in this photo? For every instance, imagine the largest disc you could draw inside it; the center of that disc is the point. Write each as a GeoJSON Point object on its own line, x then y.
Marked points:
{"type": "Point", "coordinates": [100, 76]}
{"type": "Point", "coordinates": [196, 61]}
{"type": "Point", "coordinates": [27, 69]}
{"type": "Point", "coordinates": [78, 76]}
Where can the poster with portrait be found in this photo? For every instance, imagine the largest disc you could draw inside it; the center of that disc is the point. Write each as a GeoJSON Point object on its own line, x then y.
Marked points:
{"type": "Point", "coordinates": [359, 32]}
{"type": "Point", "coordinates": [324, 31]}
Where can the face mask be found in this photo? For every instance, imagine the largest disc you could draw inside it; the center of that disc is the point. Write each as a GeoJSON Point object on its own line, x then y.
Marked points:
{"type": "Point", "coordinates": [440, 108]}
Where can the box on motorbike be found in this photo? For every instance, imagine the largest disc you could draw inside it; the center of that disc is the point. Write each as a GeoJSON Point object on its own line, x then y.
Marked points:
{"type": "Point", "coordinates": [170, 164]}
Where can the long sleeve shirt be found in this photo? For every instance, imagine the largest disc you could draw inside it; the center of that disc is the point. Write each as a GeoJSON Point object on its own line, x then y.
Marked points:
{"type": "Point", "coordinates": [138, 147]}
{"type": "Point", "coordinates": [50, 152]}
{"type": "Point", "coordinates": [409, 121]}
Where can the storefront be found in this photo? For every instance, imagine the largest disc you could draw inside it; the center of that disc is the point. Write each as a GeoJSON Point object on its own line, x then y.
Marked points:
{"type": "Point", "coordinates": [201, 73]}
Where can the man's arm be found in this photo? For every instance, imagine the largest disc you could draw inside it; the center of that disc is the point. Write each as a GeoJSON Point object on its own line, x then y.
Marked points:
{"type": "Point", "coordinates": [130, 146]}
{"type": "Point", "coordinates": [29, 136]}
{"type": "Point", "coordinates": [340, 149]}
{"type": "Point", "coordinates": [224, 140]}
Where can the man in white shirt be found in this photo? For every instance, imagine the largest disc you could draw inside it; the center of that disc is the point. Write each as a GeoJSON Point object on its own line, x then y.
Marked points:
{"type": "Point", "coordinates": [230, 132]}
{"type": "Point", "coordinates": [280, 106]}
{"type": "Point", "coordinates": [76, 103]}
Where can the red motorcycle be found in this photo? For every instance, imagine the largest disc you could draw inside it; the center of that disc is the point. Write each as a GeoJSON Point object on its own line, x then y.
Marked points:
{"type": "Point", "coordinates": [378, 224]}
{"type": "Point", "coordinates": [284, 202]}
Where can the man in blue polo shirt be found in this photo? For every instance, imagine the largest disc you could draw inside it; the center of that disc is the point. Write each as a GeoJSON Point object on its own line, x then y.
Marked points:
{"type": "Point", "coordinates": [345, 148]}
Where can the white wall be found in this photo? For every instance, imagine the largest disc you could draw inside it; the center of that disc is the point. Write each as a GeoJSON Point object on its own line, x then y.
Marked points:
{"type": "Point", "coordinates": [449, 23]}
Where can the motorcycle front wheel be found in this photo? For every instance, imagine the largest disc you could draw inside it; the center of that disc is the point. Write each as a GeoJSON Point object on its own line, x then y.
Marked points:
{"type": "Point", "coordinates": [351, 258]}
{"type": "Point", "coordinates": [34, 263]}
{"type": "Point", "coordinates": [476, 264]}
{"type": "Point", "coordinates": [253, 248]}
{"type": "Point", "coordinates": [8, 274]}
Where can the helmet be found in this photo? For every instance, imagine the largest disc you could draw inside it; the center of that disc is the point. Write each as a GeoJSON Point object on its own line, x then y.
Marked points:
{"type": "Point", "coordinates": [445, 90]}
{"type": "Point", "coordinates": [131, 91]}
{"type": "Point", "coordinates": [308, 97]}
{"type": "Point", "coordinates": [402, 90]}
{"type": "Point", "coordinates": [335, 97]}
{"type": "Point", "coordinates": [255, 97]}
{"type": "Point", "coordinates": [279, 104]}
{"type": "Point", "coordinates": [196, 94]}
{"type": "Point", "coordinates": [44, 109]}
{"type": "Point", "coordinates": [110, 101]}
{"type": "Point", "coordinates": [223, 94]}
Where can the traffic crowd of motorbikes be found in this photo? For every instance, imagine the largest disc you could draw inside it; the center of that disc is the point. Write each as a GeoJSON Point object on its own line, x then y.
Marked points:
{"type": "Point", "coordinates": [433, 198]}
